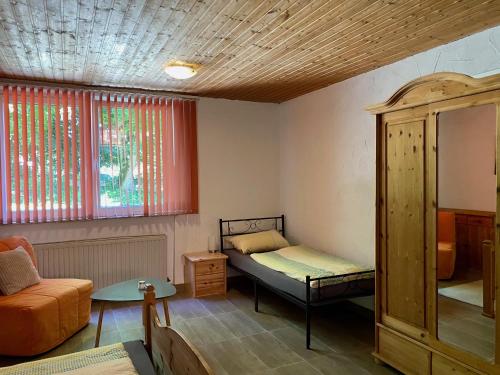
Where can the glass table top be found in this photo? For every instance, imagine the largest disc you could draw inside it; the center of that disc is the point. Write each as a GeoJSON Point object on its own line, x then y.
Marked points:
{"type": "Point", "coordinates": [128, 291]}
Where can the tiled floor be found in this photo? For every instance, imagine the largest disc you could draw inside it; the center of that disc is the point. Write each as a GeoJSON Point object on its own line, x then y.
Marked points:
{"type": "Point", "coordinates": [463, 325]}
{"type": "Point", "coordinates": [236, 340]}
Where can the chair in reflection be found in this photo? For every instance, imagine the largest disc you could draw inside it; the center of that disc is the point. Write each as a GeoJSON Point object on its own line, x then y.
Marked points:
{"type": "Point", "coordinates": [446, 245]}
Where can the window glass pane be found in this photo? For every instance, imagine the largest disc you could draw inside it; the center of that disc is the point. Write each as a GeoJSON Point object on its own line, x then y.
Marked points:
{"type": "Point", "coordinates": [119, 172]}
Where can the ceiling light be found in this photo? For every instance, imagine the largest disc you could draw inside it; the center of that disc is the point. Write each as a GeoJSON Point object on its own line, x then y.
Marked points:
{"type": "Point", "coordinates": [181, 70]}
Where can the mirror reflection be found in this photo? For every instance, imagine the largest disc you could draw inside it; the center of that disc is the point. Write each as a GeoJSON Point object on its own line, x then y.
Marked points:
{"type": "Point", "coordinates": [465, 228]}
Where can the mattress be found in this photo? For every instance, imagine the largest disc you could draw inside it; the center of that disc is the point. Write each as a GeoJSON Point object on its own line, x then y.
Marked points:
{"type": "Point", "coordinates": [301, 261]}
{"type": "Point", "coordinates": [296, 288]}
{"type": "Point", "coordinates": [123, 358]}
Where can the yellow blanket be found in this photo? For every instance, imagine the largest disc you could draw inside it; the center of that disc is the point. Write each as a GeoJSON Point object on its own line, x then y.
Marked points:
{"type": "Point", "coordinates": [108, 360]}
{"type": "Point", "coordinates": [122, 366]}
{"type": "Point", "coordinates": [300, 261]}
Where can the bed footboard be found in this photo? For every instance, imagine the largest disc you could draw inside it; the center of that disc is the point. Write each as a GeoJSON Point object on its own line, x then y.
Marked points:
{"type": "Point", "coordinates": [352, 279]}
{"type": "Point", "coordinates": [167, 347]}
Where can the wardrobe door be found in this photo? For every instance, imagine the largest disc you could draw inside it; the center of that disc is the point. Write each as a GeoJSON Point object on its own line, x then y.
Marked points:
{"type": "Point", "coordinates": [405, 221]}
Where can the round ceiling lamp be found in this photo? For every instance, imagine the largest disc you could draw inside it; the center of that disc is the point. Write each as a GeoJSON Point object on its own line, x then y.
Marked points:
{"type": "Point", "coordinates": [181, 70]}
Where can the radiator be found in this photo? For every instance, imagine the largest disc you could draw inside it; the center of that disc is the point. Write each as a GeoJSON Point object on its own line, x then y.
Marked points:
{"type": "Point", "coordinates": [104, 261]}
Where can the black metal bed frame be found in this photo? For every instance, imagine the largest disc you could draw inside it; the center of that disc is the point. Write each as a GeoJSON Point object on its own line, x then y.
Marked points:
{"type": "Point", "coordinates": [253, 225]}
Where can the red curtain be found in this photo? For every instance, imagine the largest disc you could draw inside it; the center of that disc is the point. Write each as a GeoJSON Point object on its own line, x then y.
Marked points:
{"type": "Point", "coordinates": [75, 155]}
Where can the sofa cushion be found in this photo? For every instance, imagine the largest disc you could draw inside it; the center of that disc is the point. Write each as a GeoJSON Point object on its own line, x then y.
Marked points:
{"type": "Point", "coordinates": [445, 260]}
{"type": "Point", "coordinates": [17, 271]}
{"type": "Point", "coordinates": [42, 316]}
{"type": "Point", "coordinates": [84, 288]}
{"type": "Point", "coordinates": [67, 300]}
{"type": "Point", "coordinates": [446, 246]}
{"type": "Point", "coordinates": [30, 324]}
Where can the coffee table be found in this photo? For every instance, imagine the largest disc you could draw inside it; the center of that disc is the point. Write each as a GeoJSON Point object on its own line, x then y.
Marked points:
{"type": "Point", "coordinates": [127, 291]}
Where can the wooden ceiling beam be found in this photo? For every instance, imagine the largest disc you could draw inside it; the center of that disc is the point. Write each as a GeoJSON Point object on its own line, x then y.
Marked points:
{"type": "Point", "coordinates": [249, 29]}
{"type": "Point", "coordinates": [338, 43]}
{"type": "Point", "coordinates": [122, 16]}
{"type": "Point", "coordinates": [260, 50]}
{"type": "Point", "coordinates": [20, 13]}
{"type": "Point", "coordinates": [154, 61]}
{"type": "Point", "coordinates": [347, 60]}
{"type": "Point", "coordinates": [13, 48]}
{"type": "Point", "coordinates": [166, 28]}
{"type": "Point", "coordinates": [282, 36]}
{"type": "Point", "coordinates": [381, 60]}
{"type": "Point", "coordinates": [287, 56]}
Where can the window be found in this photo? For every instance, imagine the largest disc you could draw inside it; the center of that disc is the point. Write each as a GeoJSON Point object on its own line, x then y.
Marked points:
{"type": "Point", "coordinates": [74, 154]}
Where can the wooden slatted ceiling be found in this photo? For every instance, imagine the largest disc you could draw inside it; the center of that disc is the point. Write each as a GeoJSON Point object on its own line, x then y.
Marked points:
{"type": "Point", "coordinates": [269, 51]}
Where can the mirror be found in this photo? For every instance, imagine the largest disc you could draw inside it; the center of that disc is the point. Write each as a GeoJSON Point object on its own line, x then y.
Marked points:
{"type": "Point", "coordinates": [465, 228]}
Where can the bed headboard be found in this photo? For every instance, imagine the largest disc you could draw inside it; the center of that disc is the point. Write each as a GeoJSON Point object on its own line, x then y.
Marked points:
{"type": "Point", "coordinates": [229, 228]}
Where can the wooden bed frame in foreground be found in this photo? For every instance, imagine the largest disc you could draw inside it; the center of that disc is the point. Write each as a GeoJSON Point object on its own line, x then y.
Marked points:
{"type": "Point", "coordinates": [166, 347]}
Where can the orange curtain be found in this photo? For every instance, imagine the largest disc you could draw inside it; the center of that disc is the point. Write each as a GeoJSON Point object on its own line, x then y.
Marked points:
{"type": "Point", "coordinates": [147, 156]}
{"type": "Point", "coordinates": [185, 163]}
{"type": "Point", "coordinates": [45, 130]}
{"type": "Point", "coordinates": [77, 155]}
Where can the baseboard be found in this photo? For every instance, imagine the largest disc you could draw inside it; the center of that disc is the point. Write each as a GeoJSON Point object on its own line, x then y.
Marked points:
{"type": "Point", "coordinates": [181, 288]}
{"type": "Point", "coordinates": [361, 310]}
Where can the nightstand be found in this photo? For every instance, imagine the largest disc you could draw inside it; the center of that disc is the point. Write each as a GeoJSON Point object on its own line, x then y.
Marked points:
{"type": "Point", "coordinates": [205, 273]}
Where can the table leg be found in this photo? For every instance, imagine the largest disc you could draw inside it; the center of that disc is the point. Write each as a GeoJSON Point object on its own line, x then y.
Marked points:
{"type": "Point", "coordinates": [99, 324]}
{"type": "Point", "coordinates": [165, 310]}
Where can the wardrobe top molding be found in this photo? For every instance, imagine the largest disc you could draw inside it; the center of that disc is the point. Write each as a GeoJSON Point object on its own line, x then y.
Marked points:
{"type": "Point", "coordinates": [435, 88]}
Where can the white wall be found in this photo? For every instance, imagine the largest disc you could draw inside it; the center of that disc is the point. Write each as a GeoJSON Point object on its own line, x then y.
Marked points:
{"type": "Point", "coordinates": [238, 177]}
{"type": "Point", "coordinates": [466, 158]}
{"type": "Point", "coordinates": [238, 168]}
{"type": "Point", "coordinates": [327, 149]}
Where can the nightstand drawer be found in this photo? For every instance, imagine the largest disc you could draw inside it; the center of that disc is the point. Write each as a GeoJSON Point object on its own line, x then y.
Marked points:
{"type": "Point", "coordinates": [213, 289]}
{"type": "Point", "coordinates": [208, 279]}
{"type": "Point", "coordinates": [208, 267]}
{"type": "Point", "coordinates": [210, 284]}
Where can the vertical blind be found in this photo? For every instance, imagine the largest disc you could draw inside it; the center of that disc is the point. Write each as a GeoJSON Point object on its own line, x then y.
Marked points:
{"type": "Point", "coordinates": [74, 154]}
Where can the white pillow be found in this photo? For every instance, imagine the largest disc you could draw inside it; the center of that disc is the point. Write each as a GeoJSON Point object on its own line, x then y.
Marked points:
{"type": "Point", "coordinates": [17, 271]}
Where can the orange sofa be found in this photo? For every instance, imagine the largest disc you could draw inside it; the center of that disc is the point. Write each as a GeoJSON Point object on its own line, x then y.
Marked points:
{"type": "Point", "coordinates": [42, 316]}
{"type": "Point", "coordinates": [446, 245]}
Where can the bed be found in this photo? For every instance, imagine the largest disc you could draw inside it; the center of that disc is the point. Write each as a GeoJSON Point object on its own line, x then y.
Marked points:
{"type": "Point", "coordinates": [163, 351]}
{"type": "Point", "coordinates": [310, 293]}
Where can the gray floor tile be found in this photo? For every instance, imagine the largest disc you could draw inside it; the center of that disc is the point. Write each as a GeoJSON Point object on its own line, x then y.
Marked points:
{"type": "Point", "coordinates": [295, 340]}
{"type": "Point", "coordinates": [239, 323]}
{"type": "Point", "coordinates": [337, 364]}
{"type": "Point", "coordinates": [204, 330]}
{"type": "Point", "coordinates": [235, 358]}
{"type": "Point", "coordinates": [187, 308]}
{"type": "Point", "coordinates": [270, 350]}
{"type": "Point", "coordinates": [218, 304]}
{"type": "Point", "coordinates": [302, 368]}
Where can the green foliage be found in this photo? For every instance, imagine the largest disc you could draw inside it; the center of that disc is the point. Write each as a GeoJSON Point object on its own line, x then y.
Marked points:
{"type": "Point", "coordinates": [119, 168]}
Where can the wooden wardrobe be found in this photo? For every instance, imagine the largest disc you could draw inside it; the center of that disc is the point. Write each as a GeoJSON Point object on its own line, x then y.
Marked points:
{"type": "Point", "coordinates": [406, 285]}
